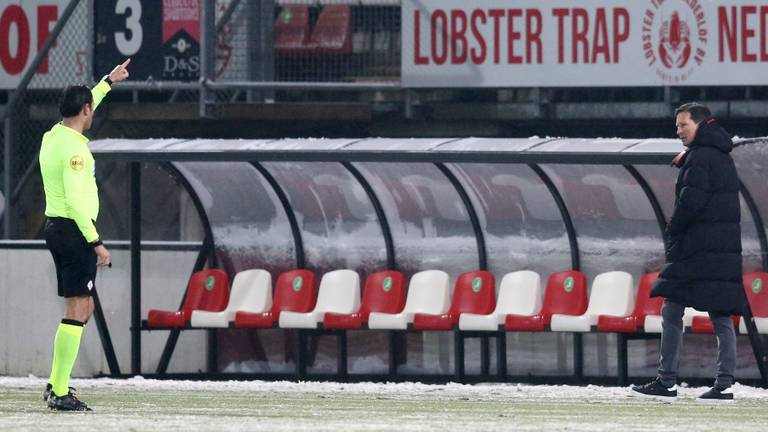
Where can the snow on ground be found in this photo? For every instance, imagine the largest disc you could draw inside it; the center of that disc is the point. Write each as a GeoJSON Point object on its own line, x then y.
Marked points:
{"type": "Point", "coordinates": [481, 391]}
{"type": "Point", "coordinates": [139, 404]}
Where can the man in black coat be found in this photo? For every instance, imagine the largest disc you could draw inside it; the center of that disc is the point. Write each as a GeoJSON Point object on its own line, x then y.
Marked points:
{"type": "Point", "coordinates": [703, 253]}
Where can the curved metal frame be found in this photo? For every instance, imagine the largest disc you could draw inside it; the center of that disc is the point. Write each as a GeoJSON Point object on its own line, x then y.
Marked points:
{"type": "Point", "coordinates": [657, 210]}
{"type": "Point", "coordinates": [482, 254]}
{"type": "Point", "coordinates": [755, 339]}
{"type": "Point", "coordinates": [298, 241]}
{"type": "Point", "coordinates": [753, 210]}
{"type": "Point", "coordinates": [569, 227]}
{"type": "Point", "coordinates": [205, 251]}
{"type": "Point", "coordinates": [389, 244]}
{"type": "Point", "coordinates": [200, 211]}
{"type": "Point", "coordinates": [578, 345]}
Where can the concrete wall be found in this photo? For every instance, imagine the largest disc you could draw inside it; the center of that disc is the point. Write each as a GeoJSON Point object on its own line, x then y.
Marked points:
{"type": "Point", "coordinates": [30, 312]}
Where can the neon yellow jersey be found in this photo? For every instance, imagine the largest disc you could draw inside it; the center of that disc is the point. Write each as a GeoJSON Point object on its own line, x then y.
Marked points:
{"type": "Point", "coordinates": [68, 171]}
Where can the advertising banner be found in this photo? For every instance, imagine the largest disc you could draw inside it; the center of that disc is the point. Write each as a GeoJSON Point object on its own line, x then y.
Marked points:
{"type": "Point", "coordinates": [596, 43]}
{"type": "Point", "coordinates": [162, 38]}
{"type": "Point", "coordinates": [24, 27]}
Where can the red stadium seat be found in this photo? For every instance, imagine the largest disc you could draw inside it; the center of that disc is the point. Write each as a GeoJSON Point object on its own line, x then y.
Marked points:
{"type": "Point", "coordinates": [208, 290]}
{"type": "Point", "coordinates": [566, 294]}
{"type": "Point", "coordinates": [333, 31]}
{"type": "Point", "coordinates": [703, 325]}
{"type": "Point", "coordinates": [757, 295]}
{"type": "Point", "coordinates": [475, 292]}
{"type": "Point", "coordinates": [384, 292]}
{"type": "Point", "coordinates": [291, 31]}
{"type": "Point", "coordinates": [295, 291]}
{"type": "Point", "coordinates": [644, 305]}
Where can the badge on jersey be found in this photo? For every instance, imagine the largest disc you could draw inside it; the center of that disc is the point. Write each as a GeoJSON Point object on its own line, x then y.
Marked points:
{"type": "Point", "coordinates": [77, 163]}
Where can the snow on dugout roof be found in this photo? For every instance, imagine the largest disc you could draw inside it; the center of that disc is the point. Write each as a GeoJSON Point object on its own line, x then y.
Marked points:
{"type": "Point", "coordinates": [587, 145]}
{"type": "Point", "coordinates": [401, 149]}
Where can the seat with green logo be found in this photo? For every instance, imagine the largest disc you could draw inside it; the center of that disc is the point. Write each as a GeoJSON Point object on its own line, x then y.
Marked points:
{"type": "Point", "coordinates": [566, 293]}
{"type": "Point", "coordinates": [251, 292]}
{"type": "Point", "coordinates": [384, 292]}
{"type": "Point", "coordinates": [291, 30]}
{"type": "Point", "coordinates": [519, 294]}
{"type": "Point", "coordinates": [339, 292]}
{"type": "Point", "coordinates": [295, 291]}
{"type": "Point", "coordinates": [428, 292]}
{"type": "Point", "coordinates": [474, 292]}
{"type": "Point", "coordinates": [757, 295]}
{"type": "Point", "coordinates": [611, 295]}
{"type": "Point", "coordinates": [207, 290]}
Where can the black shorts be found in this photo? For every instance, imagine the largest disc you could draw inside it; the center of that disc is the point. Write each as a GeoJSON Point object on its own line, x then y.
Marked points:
{"type": "Point", "coordinates": [75, 260]}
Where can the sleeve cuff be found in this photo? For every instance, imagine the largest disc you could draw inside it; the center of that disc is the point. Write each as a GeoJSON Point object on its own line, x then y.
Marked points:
{"type": "Point", "coordinates": [103, 86]}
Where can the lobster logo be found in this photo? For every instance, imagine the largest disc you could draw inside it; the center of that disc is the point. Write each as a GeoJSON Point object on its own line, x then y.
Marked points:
{"type": "Point", "coordinates": [675, 42]}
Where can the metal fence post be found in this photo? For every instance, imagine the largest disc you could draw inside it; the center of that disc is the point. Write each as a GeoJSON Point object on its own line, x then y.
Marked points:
{"type": "Point", "coordinates": [261, 64]}
{"type": "Point", "coordinates": [135, 233]}
{"type": "Point", "coordinates": [207, 50]}
{"type": "Point", "coordinates": [8, 190]}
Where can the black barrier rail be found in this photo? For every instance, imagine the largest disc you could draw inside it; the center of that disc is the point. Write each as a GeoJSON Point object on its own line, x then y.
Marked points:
{"type": "Point", "coordinates": [492, 157]}
{"type": "Point", "coordinates": [135, 230]}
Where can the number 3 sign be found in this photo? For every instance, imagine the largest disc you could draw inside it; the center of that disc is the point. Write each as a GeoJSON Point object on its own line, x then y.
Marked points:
{"type": "Point", "coordinates": [162, 38]}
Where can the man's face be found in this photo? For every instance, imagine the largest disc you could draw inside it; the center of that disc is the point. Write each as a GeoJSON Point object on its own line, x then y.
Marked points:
{"type": "Point", "coordinates": [686, 128]}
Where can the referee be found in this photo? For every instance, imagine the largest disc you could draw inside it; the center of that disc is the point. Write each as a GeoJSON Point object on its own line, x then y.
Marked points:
{"type": "Point", "coordinates": [72, 206]}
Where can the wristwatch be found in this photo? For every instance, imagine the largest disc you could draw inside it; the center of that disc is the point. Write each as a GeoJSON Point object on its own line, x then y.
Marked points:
{"type": "Point", "coordinates": [108, 81]}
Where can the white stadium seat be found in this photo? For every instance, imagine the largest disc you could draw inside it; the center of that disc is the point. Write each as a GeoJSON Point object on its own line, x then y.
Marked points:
{"type": "Point", "coordinates": [428, 293]}
{"type": "Point", "coordinates": [251, 291]}
{"type": "Point", "coordinates": [611, 295]}
{"type": "Point", "coordinates": [520, 293]}
{"type": "Point", "coordinates": [653, 322]}
{"type": "Point", "coordinates": [339, 292]}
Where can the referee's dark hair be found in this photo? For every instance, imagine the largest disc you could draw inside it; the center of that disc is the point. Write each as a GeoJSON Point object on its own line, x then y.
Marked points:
{"type": "Point", "coordinates": [73, 99]}
{"type": "Point", "coordinates": [699, 112]}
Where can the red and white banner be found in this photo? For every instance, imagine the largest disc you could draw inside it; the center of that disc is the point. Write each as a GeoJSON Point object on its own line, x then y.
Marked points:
{"type": "Point", "coordinates": [562, 43]}
{"type": "Point", "coordinates": [24, 27]}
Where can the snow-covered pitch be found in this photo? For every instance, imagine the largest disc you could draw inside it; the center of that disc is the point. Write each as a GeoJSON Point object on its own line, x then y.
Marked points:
{"type": "Point", "coordinates": [149, 405]}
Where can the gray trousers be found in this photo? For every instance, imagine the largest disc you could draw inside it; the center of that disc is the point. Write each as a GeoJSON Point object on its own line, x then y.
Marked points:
{"type": "Point", "coordinates": [672, 340]}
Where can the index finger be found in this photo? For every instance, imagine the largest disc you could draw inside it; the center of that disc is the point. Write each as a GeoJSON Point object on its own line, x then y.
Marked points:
{"type": "Point", "coordinates": [125, 63]}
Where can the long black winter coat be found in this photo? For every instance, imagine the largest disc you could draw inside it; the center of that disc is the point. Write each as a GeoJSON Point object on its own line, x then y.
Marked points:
{"type": "Point", "coordinates": [703, 256]}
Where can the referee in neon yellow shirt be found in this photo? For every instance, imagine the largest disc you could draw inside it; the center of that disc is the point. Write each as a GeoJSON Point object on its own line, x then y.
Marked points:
{"type": "Point", "coordinates": [72, 206]}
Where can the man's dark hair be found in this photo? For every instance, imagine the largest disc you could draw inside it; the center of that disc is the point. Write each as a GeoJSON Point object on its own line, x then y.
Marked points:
{"type": "Point", "coordinates": [73, 99]}
{"type": "Point", "coordinates": [698, 112]}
